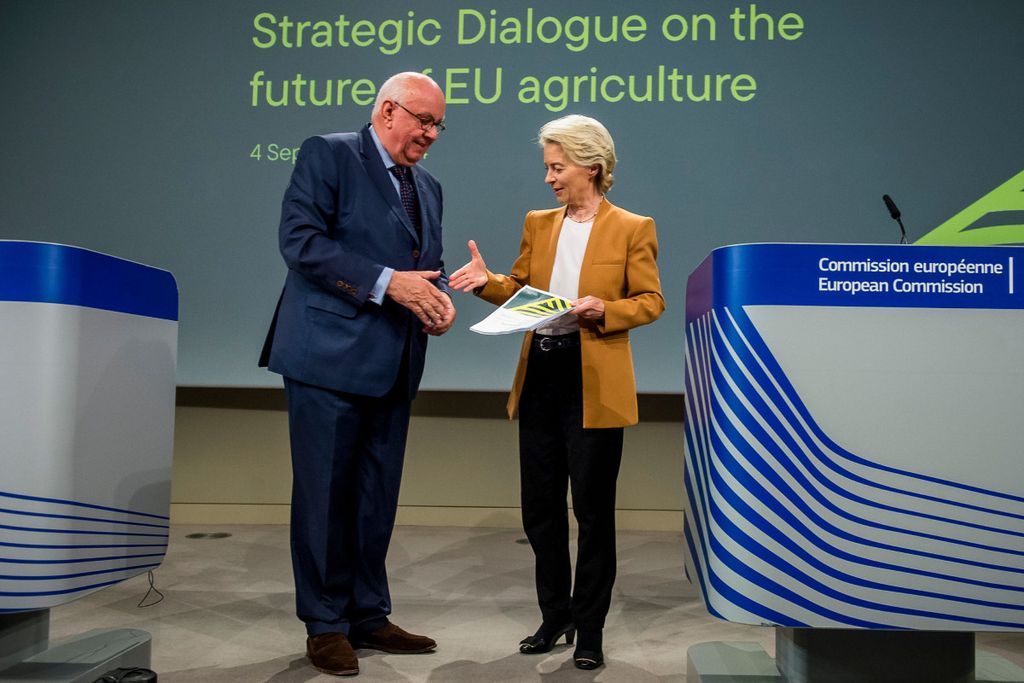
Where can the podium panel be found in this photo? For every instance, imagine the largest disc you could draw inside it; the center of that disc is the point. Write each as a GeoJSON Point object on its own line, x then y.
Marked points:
{"type": "Point", "coordinates": [88, 348]}
{"type": "Point", "coordinates": [853, 436]}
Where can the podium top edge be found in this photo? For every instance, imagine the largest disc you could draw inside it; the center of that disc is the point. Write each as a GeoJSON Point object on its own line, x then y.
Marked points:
{"type": "Point", "coordinates": [48, 273]}
{"type": "Point", "coordinates": [72, 247]}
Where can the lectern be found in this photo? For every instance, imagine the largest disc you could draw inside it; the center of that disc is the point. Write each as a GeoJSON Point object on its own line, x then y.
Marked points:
{"type": "Point", "coordinates": [855, 458]}
{"type": "Point", "coordinates": [88, 347]}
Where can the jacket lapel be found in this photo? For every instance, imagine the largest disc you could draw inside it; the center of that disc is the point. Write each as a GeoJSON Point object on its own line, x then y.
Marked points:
{"type": "Point", "coordinates": [597, 232]}
{"type": "Point", "coordinates": [381, 178]}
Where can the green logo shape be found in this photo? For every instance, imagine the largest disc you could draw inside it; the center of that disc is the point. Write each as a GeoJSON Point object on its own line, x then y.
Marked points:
{"type": "Point", "coordinates": [996, 218]}
{"type": "Point", "coordinates": [543, 307]}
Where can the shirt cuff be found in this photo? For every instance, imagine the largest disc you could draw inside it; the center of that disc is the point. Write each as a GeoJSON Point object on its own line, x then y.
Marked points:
{"type": "Point", "coordinates": [379, 289]}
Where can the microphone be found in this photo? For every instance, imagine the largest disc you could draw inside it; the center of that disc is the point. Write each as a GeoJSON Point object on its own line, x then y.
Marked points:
{"type": "Point", "coordinates": [895, 213]}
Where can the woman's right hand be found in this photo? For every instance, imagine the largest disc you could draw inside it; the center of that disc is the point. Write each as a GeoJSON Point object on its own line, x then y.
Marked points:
{"type": "Point", "coordinates": [471, 276]}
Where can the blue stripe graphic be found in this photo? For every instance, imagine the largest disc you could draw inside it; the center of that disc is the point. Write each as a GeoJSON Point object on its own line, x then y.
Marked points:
{"type": "Point", "coordinates": [48, 515]}
{"type": "Point", "coordinates": [764, 355]}
{"type": "Point", "coordinates": [78, 560]}
{"type": "Point", "coordinates": [77, 531]}
{"type": "Point", "coordinates": [45, 546]}
{"type": "Point", "coordinates": [799, 451]}
{"type": "Point", "coordinates": [58, 577]}
{"type": "Point", "coordinates": [743, 413]}
{"type": "Point", "coordinates": [63, 591]}
{"type": "Point", "coordinates": [75, 503]}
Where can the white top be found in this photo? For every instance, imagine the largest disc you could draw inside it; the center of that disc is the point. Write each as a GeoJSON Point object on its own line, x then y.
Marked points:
{"type": "Point", "coordinates": [565, 275]}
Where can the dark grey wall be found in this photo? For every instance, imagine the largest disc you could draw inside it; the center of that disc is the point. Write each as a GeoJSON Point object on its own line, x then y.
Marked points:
{"type": "Point", "coordinates": [128, 126]}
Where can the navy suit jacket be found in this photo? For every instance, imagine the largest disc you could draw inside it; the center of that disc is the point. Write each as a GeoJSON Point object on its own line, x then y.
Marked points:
{"type": "Point", "coordinates": [341, 223]}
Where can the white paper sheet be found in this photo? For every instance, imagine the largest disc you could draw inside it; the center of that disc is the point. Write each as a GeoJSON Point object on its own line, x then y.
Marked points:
{"type": "Point", "coordinates": [527, 309]}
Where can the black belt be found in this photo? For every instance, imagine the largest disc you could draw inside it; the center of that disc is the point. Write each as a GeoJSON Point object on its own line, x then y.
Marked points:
{"type": "Point", "coordinates": [543, 342]}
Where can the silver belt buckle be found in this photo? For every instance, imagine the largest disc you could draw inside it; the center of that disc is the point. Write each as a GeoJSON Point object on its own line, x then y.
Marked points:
{"type": "Point", "coordinates": [544, 344]}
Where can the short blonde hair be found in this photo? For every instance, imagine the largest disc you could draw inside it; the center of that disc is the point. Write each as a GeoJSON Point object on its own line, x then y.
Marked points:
{"type": "Point", "coordinates": [586, 142]}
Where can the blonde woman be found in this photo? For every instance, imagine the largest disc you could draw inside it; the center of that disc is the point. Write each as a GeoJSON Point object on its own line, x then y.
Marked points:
{"type": "Point", "coordinates": [574, 389]}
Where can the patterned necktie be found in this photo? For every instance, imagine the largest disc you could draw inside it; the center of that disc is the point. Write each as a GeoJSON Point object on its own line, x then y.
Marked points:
{"type": "Point", "coordinates": [408, 194]}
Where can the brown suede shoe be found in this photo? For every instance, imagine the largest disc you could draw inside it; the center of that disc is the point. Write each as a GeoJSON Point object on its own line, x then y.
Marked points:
{"type": "Point", "coordinates": [331, 653]}
{"type": "Point", "coordinates": [391, 638]}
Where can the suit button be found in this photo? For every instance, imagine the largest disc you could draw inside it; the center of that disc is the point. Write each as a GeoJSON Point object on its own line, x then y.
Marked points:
{"type": "Point", "coordinates": [340, 284]}
{"type": "Point", "coordinates": [415, 253]}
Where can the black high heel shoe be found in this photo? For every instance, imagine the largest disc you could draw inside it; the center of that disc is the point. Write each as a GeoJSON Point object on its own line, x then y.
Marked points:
{"type": "Point", "coordinates": [588, 654]}
{"type": "Point", "coordinates": [545, 638]}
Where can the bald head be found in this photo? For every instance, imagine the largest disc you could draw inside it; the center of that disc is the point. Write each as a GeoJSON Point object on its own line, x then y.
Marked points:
{"type": "Point", "coordinates": [400, 87]}
{"type": "Point", "coordinates": [405, 111]}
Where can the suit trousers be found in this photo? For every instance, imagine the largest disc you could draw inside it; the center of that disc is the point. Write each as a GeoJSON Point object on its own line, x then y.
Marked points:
{"type": "Point", "coordinates": [555, 451]}
{"type": "Point", "coordinates": [347, 456]}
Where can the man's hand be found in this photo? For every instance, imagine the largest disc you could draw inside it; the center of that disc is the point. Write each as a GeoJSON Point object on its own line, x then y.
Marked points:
{"type": "Point", "coordinates": [443, 326]}
{"type": "Point", "coordinates": [413, 289]}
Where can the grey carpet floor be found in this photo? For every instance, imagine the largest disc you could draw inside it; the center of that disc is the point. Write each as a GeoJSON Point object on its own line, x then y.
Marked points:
{"type": "Point", "coordinates": [228, 612]}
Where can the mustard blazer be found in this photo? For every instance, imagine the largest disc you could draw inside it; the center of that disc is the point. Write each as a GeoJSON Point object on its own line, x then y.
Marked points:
{"type": "Point", "coordinates": [619, 267]}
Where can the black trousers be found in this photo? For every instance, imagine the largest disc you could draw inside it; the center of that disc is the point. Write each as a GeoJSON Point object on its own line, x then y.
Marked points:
{"type": "Point", "coordinates": [555, 452]}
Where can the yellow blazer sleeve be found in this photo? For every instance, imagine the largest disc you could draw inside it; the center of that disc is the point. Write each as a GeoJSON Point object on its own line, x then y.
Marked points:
{"type": "Point", "coordinates": [643, 302]}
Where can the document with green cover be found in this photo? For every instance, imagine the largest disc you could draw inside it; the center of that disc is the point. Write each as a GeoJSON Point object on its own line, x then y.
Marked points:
{"type": "Point", "coordinates": [527, 309]}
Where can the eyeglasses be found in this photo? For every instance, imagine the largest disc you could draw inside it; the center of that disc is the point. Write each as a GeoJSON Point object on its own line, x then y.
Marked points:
{"type": "Point", "coordinates": [426, 120]}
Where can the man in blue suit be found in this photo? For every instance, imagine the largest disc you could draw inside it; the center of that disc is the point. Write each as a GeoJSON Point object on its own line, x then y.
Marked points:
{"type": "Point", "coordinates": [361, 235]}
